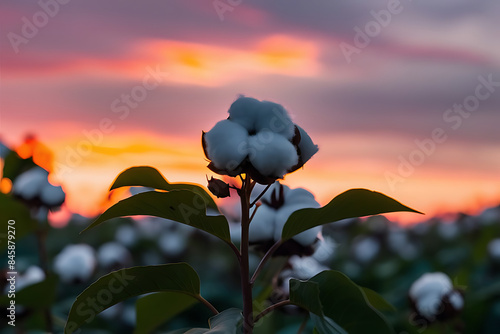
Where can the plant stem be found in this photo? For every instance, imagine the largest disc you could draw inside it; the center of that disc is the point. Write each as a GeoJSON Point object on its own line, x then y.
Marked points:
{"type": "Point", "coordinates": [272, 308]}
{"type": "Point", "coordinates": [246, 286]}
{"type": "Point", "coordinates": [266, 257]}
{"type": "Point", "coordinates": [261, 194]}
{"type": "Point", "coordinates": [41, 234]}
{"type": "Point", "coordinates": [207, 304]}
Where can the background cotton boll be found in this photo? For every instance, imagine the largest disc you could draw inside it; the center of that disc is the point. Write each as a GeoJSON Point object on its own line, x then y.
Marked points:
{"type": "Point", "coordinates": [126, 235]}
{"type": "Point", "coordinates": [305, 267]}
{"type": "Point", "coordinates": [325, 250]}
{"type": "Point", "coordinates": [301, 196]}
{"type": "Point", "coordinates": [29, 184]}
{"type": "Point", "coordinates": [75, 263]}
{"type": "Point", "coordinates": [52, 195]}
{"type": "Point", "coordinates": [494, 249]}
{"type": "Point", "coordinates": [263, 224]}
{"type": "Point", "coordinates": [306, 146]}
{"type": "Point", "coordinates": [245, 111]}
{"type": "Point", "coordinates": [4, 150]}
{"type": "Point", "coordinates": [226, 144]}
{"type": "Point", "coordinates": [428, 291]}
{"type": "Point", "coordinates": [31, 276]}
{"type": "Point", "coordinates": [129, 315]}
{"type": "Point", "coordinates": [365, 249]}
{"type": "Point", "coordinates": [308, 237]}
{"type": "Point", "coordinates": [172, 244]}
{"type": "Point", "coordinates": [448, 230]}
{"type": "Point", "coordinates": [273, 117]}
{"type": "Point", "coordinates": [456, 300]}
{"type": "Point", "coordinates": [235, 232]}
{"type": "Point", "coordinates": [272, 156]}
{"type": "Point", "coordinates": [112, 254]}
{"type": "Point", "coordinates": [273, 189]}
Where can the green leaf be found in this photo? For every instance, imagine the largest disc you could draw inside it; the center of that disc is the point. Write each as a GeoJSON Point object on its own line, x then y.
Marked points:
{"type": "Point", "coordinates": [36, 296]}
{"type": "Point", "coordinates": [158, 308]}
{"type": "Point", "coordinates": [306, 295]}
{"type": "Point", "coordinates": [150, 177]}
{"type": "Point", "coordinates": [126, 283]}
{"type": "Point", "coordinates": [377, 301]}
{"type": "Point", "coordinates": [341, 300]}
{"type": "Point", "coordinates": [325, 325]}
{"type": "Point", "coordinates": [350, 204]}
{"type": "Point", "coordinates": [226, 322]}
{"type": "Point", "coordinates": [182, 206]}
{"type": "Point", "coordinates": [11, 209]}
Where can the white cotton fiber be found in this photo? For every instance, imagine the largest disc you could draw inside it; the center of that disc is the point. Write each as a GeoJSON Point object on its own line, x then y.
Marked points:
{"type": "Point", "coordinates": [494, 249]}
{"type": "Point", "coordinates": [263, 224]}
{"type": "Point", "coordinates": [301, 196]}
{"type": "Point", "coordinates": [126, 235]}
{"type": "Point", "coordinates": [31, 276]}
{"type": "Point", "coordinates": [428, 291]}
{"type": "Point", "coordinates": [112, 253]}
{"type": "Point", "coordinates": [306, 145]}
{"type": "Point", "coordinates": [273, 117]}
{"type": "Point", "coordinates": [52, 195]}
{"type": "Point", "coordinates": [366, 249]}
{"type": "Point", "coordinates": [75, 262]}
{"type": "Point", "coordinates": [172, 244]}
{"type": "Point", "coordinates": [29, 184]}
{"type": "Point", "coordinates": [245, 111]}
{"type": "Point", "coordinates": [456, 300]}
{"type": "Point", "coordinates": [305, 267]}
{"type": "Point", "coordinates": [226, 144]}
{"type": "Point", "coordinates": [273, 156]}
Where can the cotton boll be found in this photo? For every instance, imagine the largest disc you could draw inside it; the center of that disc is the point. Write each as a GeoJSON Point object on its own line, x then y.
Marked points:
{"type": "Point", "coordinates": [428, 291]}
{"type": "Point", "coordinates": [29, 184]}
{"type": "Point", "coordinates": [305, 267]}
{"type": "Point", "coordinates": [235, 232]}
{"type": "Point", "coordinates": [275, 189]}
{"type": "Point", "coordinates": [126, 235]}
{"type": "Point", "coordinates": [365, 249]}
{"type": "Point", "coordinates": [31, 276]}
{"type": "Point", "coordinates": [245, 111]}
{"type": "Point", "coordinates": [494, 249]}
{"type": "Point", "coordinates": [456, 300]}
{"type": "Point", "coordinates": [301, 196]}
{"type": "Point", "coordinates": [325, 250]}
{"type": "Point", "coordinates": [111, 254]}
{"type": "Point", "coordinates": [448, 230]}
{"type": "Point", "coordinates": [52, 195]}
{"type": "Point", "coordinates": [75, 263]}
{"type": "Point", "coordinates": [226, 144]}
{"type": "Point", "coordinates": [263, 224]}
{"type": "Point", "coordinates": [172, 244]}
{"type": "Point", "coordinates": [271, 154]}
{"type": "Point", "coordinates": [306, 146]}
{"type": "Point", "coordinates": [273, 117]}
{"type": "Point", "coordinates": [129, 315]}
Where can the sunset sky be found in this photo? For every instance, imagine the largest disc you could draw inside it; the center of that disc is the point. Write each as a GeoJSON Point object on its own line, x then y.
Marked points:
{"type": "Point", "coordinates": [110, 84]}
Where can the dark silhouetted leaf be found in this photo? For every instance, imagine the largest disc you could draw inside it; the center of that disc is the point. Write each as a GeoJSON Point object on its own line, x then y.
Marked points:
{"type": "Point", "coordinates": [145, 176]}
{"type": "Point", "coordinates": [350, 204]}
{"type": "Point", "coordinates": [131, 282]}
{"type": "Point", "coordinates": [182, 206]}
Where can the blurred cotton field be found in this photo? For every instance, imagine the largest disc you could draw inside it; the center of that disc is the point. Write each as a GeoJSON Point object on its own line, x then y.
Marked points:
{"type": "Point", "coordinates": [442, 270]}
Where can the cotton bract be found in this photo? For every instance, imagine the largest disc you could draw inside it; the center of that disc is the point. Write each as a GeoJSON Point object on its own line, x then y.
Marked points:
{"type": "Point", "coordinates": [277, 205]}
{"type": "Point", "coordinates": [259, 139]}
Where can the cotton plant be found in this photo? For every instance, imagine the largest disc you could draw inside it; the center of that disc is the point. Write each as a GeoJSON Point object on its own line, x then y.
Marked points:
{"type": "Point", "coordinates": [252, 149]}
